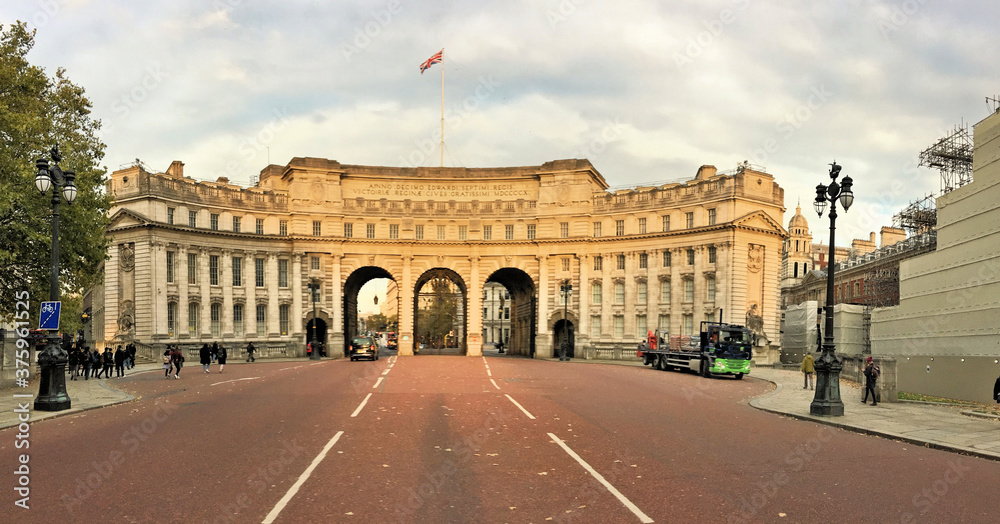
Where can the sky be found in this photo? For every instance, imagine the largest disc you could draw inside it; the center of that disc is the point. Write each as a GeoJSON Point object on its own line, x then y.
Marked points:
{"type": "Point", "coordinates": [648, 91]}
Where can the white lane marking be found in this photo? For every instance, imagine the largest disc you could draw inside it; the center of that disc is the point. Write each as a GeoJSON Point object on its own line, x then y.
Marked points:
{"type": "Point", "coordinates": [302, 479]}
{"type": "Point", "coordinates": [292, 367]}
{"type": "Point", "coordinates": [494, 384]}
{"type": "Point", "coordinates": [233, 380]}
{"type": "Point", "coordinates": [317, 364]}
{"type": "Point", "coordinates": [532, 417]}
{"type": "Point", "coordinates": [362, 406]}
{"type": "Point", "coordinates": [489, 373]}
{"type": "Point", "coordinates": [377, 382]}
{"type": "Point", "coordinates": [386, 372]}
{"type": "Point", "coordinates": [134, 373]}
{"type": "Point", "coordinates": [621, 498]}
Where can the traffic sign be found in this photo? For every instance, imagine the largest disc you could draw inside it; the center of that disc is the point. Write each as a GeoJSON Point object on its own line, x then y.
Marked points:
{"type": "Point", "coordinates": [49, 319]}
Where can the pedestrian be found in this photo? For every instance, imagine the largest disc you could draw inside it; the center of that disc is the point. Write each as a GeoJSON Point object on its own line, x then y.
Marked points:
{"type": "Point", "coordinates": [95, 364]}
{"type": "Point", "coordinates": [167, 366]}
{"type": "Point", "coordinates": [215, 351]}
{"type": "Point", "coordinates": [131, 355]}
{"type": "Point", "coordinates": [222, 357]}
{"type": "Point", "coordinates": [872, 372]}
{"type": "Point", "coordinates": [120, 357]}
{"type": "Point", "coordinates": [808, 369]}
{"type": "Point", "coordinates": [996, 390]}
{"type": "Point", "coordinates": [250, 350]}
{"type": "Point", "coordinates": [205, 357]}
{"type": "Point", "coordinates": [74, 362]}
{"type": "Point", "coordinates": [177, 359]}
{"type": "Point", "coordinates": [109, 362]}
{"type": "Point", "coordinates": [85, 361]}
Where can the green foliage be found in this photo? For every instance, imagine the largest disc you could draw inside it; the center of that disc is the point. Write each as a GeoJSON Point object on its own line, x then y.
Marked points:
{"type": "Point", "coordinates": [37, 112]}
{"type": "Point", "coordinates": [438, 318]}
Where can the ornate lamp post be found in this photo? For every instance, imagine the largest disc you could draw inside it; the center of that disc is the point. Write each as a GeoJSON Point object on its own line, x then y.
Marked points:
{"type": "Point", "coordinates": [52, 387]}
{"type": "Point", "coordinates": [313, 339]}
{"type": "Point", "coordinates": [827, 400]}
{"type": "Point", "coordinates": [566, 290]}
{"type": "Point", "coordinates": [500, 316]}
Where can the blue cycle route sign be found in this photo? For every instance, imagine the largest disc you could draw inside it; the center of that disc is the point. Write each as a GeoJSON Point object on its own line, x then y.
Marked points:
{"type": "Point", "coordinates": [49, 318]}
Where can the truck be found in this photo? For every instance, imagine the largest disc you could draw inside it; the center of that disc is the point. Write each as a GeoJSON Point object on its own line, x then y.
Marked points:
{"type": "Point", "coordinates": [720, 349]}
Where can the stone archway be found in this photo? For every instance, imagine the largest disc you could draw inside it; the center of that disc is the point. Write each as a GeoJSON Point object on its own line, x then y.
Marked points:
{"type": "Point", "coordinates": [460, 321]}
{"type": "Point", "coordinates": [321, 329]}
{"type": "Point", "coordinates": [564, 329]}
{"type": "Point", "coordinates": [522, 309]}
{"type": "Point", "coordinates": [355, 281]}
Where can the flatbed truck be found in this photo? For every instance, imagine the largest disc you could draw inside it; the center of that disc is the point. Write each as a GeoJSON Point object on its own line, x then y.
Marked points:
{"type": "Point", "coordinates": [719, 349]}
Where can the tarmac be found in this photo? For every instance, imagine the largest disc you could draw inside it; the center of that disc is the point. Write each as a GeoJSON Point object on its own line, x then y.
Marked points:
{"type": "Point", "coordinates": [959, 429]}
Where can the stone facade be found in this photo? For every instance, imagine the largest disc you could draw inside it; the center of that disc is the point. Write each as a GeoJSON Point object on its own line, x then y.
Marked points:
{"type": "Point", "coordinates": [201, 261]}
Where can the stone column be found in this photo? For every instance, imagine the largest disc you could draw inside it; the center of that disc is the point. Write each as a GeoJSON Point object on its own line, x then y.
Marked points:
{"type": "Point", "coordinates": [250, 306]}
{"type": "Point", "coordinates": [700, 256]}
{"type": "Point", "coordinates": [335, 330]}
{"type": "Point", "coordinates": [631, 267]}
{"type": "Point", "coordinates": [298, 310]}
{"type": "Point", "coordinates": [543, 336]}
{"type": "Point", "coordinates": [226, 280]}
{"type": "Point", "coordinates": [205, 311]}
{"type": "Point", "coordinates": [181, 277]}
{"type": "Point", "coordinates": [159, 302]}
{"type": "Point", "coordinates": [405, 337]}
{"type": "Point", "coordinates": [474, 317]}
{"type": "Point", "coordinates": [271, 280]}
{"type": "Point", "coordinates": [582, 339]}
{"type": "Point", "coordinates": [676, 292]}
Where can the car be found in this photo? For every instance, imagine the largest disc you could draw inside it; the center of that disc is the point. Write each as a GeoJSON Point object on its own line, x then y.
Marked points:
{"type": "Point", "coordinates": [364, 347]}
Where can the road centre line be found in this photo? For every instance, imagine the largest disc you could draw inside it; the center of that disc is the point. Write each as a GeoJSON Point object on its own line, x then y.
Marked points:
{"type": "Point", "coordinates": [233, 380]}
{"type": "Point", "coordinates": [362, 406]}
{"type": "Point", "coordinates": [600, 478]}
{"type": "Point", "coordinates": [386, 372]}
{"type": "Point", "coordinates": [494, 384]}
{"type": "Point", "coordinates": [302, 479]}
{"type": "Point", "coordinates": [489, 373]}
{"type": "Point", "coordinates": [532, 417]}
{"type": "Point", "coordinates": [377, 382]}
{"type": "Point", "coordinates": [134, 373]}
{"type": "Point", "coordinates": [318, 363]}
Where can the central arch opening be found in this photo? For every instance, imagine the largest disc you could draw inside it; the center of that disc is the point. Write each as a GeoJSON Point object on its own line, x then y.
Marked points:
{"type": "Point", "coordinates": [440, 303]}
{"type": "Point", "coordinates": [352, 289]}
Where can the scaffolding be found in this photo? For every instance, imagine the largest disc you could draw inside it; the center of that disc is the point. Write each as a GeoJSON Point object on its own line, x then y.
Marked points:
{"type": "Point", "coordinates": [952, 157]}
{"type": "Point", "coordinates": [917, 218]}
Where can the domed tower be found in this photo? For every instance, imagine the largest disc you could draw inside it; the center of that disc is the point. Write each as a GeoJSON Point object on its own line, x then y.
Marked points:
{"type": "Point", "coordinates": [797, 258]}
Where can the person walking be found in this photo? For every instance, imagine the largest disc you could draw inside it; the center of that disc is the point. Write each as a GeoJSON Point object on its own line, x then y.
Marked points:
{"type": "Point", "coordinates": [872, 372]}
{"type": "Point", "coordinates": [120, 357]}
{"type": "Point", "coordinates": [74, 363]}
{"type": "Point", "coordinates": [95, 364]}
{"type": "Point", "coordinates": [85, 361]}
{"type": "Point", "coordinates": [167, 365]}
{"type": "Point", "coordinates": [130, 349]}
{"type": "Point", "coordinates": [215, 351]}
{"type": "Point", "coordinates": [250, 350]}
{"type": "Point", "coordinates": [177, 359]}
{"type": "Point", "coordinates": [205, 357]}
{"type": "Point", "coordinates": [808, 369]}
{"type": "Point", "coordinates": [109, 361]}
{"type": "Point", "coordinates": [222, 357]}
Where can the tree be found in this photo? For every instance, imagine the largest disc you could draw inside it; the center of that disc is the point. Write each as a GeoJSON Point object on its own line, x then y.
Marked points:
{"type": "Point", "coordinates": [37, 112]}
{"type": "Point", "coordinates": [437, 319]}
{"type": "Point", "coordinates": [376, 322]}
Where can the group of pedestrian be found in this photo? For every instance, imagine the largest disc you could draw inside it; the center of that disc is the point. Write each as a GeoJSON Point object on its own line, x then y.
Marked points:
{"type": "Point", "coordinates": [86, 362]}
{"type": "Point", "coordinates": [173, 361]}
{"type": "Point", "coordinates": [872, 372]}
{"type": "Point", "coordinates": [207, 355]}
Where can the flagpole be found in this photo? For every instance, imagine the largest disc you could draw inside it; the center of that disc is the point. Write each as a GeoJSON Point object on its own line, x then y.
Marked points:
{"type": "Point", "coordinates": [442, 107]}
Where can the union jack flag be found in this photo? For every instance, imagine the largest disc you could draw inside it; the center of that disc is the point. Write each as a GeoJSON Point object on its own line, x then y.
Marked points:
{"type": "Point", "coordinates": [436, 59]}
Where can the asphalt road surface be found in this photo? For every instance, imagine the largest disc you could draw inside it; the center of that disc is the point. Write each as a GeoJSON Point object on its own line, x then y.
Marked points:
{"type": "Point", "coordinates": [441, 439]}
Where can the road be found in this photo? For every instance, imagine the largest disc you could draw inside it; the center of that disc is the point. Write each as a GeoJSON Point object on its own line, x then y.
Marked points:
{"type": "Point", "coordinates": [456, 439]}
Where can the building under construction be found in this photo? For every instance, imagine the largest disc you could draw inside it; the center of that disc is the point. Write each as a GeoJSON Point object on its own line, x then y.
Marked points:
{"type": "Point", "coordinates": [952, 157]}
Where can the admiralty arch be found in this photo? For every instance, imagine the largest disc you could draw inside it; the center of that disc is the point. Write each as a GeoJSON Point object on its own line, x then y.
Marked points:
{"type": "Point", "coordinates": [196, 261]}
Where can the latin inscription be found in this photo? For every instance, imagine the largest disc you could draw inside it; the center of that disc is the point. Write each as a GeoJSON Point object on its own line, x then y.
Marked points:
{"type": "Point", "coordinates": [483, 191]}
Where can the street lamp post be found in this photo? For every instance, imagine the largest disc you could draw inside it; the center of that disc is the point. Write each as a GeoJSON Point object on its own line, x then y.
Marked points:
{"type": "Point", "coordinates": [500, 315]}
{"type": "Point", "coordinates": [52, 387]}
{"type": "Point", "coordinates": [566, 290]}
{"type": "Point", "coordinates": [827, 400]}
{"type": "Point", "coordinates": [313, 339]}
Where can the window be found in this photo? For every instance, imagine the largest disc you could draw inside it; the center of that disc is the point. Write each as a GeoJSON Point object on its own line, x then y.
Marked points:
{"type": "Point", "coordinates": [711, 217]}
{"type": "Point", "coordinates": [690, 256]}
{"type": "Point", "coordinates": [640, 327]}
{"type": "Point", "coordinates": [314, 263]}
{"type": "Point", "coordinates": [643, 261]}
{"type": "Point", "coordinates": [258, 269]}
{"type": "Point", "coordinates": [259, 227]}
{"type": "Point", "coordinates": [619, 326]}
{"type": "Point", "coordinates": [238, 320]}
{"type": "Point", "coordinates": [170, 267]}
{"type": "Point", "coordinates": [282, 272]}
{"type": "Point", "coordinates": [283, 228]}
{"type": "Point", "coordinates": [711, 254]}
{"type": "Point", "coordinates": [710, 289]}
{"type": "Point", "coordinates": [192, 268]}
{"type": "Point", "coordinates": [283, 318]}
{"type": "Point", "coordinates": [688, 324]}
{"type": "Point", "coordinates": [621, 261]}
{"type": "Point", "coordinates": [664, 291]}
{"type": "Point", "coordinates": [509, 231]}
{"type": "Point", "coordinates": [565, 264]}
{"type": "Point", "coordinates": [237, 271]}
{"type": "Point", "coordinates": [563, 229]}
{"type": "Point", "coordinates": [619, 292]}
{"type": "Point", "coordinates": [213, 221]}
{"type": "Point", "coordinates": [595, 326]}
{"type": "Point", "coordinates": [419, 232]}
{"type": "Point", "coordinates": [619, 227]}
{"type": "Point", "coordinates": [348, 230]}
{"type": "Point", "coordinates": [193, 318]}
{"type": "Point", "coordinates": [171, 318]}
{"type": "Point", "coordinates": [795, 270]}
{"type": "Point", "coordinates": [261, 320]}
{"type": "Point", "coordinates": [598, 263]}
{"type": "Point", "coordinates": [213, 270]}
{"type": "Point", "coordinates": [216, 313]}
{"type": "Point", "coordinates": [317, 228]}
{"type": "Point", "coordinates": [393, 231]}
{"type": "Point", "coordinates": [596, 293]}
{"type": "Point", "coordinates": [689, 290]}
{"type": "Point", "coordinates": [506, 313]}
{"type": "Point", "coordinates": [531, 231]}
{"type": "Point", "coordinates": [857, 289]}
{"type": "Point", "coordinates": [641, 293]}
{"type": "Point", "coordinates": [442, 231]}
{"type": "Point", "coordinates": [666, 223]}
{"type": "Point", "coordinates": [170, 215]}
{"type": "Point", "coordinates": [463, 232]}
{"type": "Point", "coordinates": [664, 322]}
{"type": "Point", "coordinates": [597, 229]}
{"type": "Point", "coordinates": [689, 220]}
{"type": "Point", "coordinates": [642, 226]}
{"type": "Point", "coordinates": [666, 258]}
{"type": "Point", "coordinates": [236, 224]}
{"type": "Point", "coordinates": [487, 232]}
{"type": "Point", "coordinates": [193, 218]}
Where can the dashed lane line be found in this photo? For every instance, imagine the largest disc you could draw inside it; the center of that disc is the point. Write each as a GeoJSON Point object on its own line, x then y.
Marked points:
{"type": "Point", "coordinates": [302, 479]}
{"type": "Point", "coordinates": [233, 380]}
{"type": "Point", "coordinates": [532, 417]}
{"type": "Point", "coordinates": [361, 406]}
{"type": "Point", "coordinates": [494, 383]}
{"type": "Point", "coordinates": [377, 382]}
{"type": "Point", "coordinates": [600, 478]}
